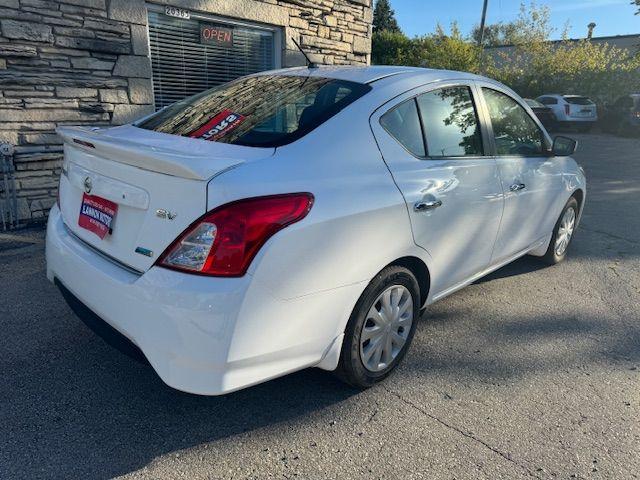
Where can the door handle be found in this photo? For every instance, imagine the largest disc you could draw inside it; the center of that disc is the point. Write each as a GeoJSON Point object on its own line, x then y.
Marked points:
{"type": "Point", "coordinates": [517, 186]}
{"type": "Point", "coordinates": [424, 206]}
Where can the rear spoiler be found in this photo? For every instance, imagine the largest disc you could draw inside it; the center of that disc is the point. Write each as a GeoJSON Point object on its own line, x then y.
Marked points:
{"type": "Point", "coordinates": [157, 152]}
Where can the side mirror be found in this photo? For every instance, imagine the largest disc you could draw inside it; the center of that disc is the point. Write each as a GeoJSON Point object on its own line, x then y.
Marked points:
{"type": "Point", "coordinates": [564, 146]}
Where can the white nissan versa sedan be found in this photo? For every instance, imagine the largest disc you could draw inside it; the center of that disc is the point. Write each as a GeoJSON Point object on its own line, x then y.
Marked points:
{"type": "Point", "coordinates": [302, 217]}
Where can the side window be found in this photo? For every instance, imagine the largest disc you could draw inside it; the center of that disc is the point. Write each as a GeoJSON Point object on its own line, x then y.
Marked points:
{"type": "Point", "coordinates": [450, 123]}
{"type": "Point", "coordinates": [403, 124]}
{"type": "Point", "coordinates": [514, 130]}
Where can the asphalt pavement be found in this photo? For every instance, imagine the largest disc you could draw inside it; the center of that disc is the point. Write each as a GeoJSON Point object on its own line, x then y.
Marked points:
{"type": "Point", "coordinates": [530, 372]}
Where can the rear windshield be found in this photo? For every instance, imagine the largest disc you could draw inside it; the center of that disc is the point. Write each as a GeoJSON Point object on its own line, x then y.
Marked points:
{"type": "Point", "coordinates": [260, 111]}
{"type": "Point", "coordinates": [534, 104]}
{"type": "Point", "coordinates": [578, 100]}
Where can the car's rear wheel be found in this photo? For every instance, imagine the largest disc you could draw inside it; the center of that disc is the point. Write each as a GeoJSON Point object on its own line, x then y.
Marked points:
{"type": "Point", "coordinates": [380, 328]}
{"type": "Point", "coordinates": [562, 233]}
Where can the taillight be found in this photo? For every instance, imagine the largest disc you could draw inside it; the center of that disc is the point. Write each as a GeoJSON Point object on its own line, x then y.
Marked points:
{"type": "Point", "coordinates": [225, 240]}
{"type": "Point", "coordinates": [567, 109]}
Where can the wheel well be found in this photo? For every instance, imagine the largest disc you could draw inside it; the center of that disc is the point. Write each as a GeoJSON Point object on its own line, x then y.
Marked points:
{"type": "Point", "coordinates": [421, 272]}
{"type": "Point", "coordinates": [579, 196]}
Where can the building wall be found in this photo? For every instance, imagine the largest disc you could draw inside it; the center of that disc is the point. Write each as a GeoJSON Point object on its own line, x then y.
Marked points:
{"type": "Point", "coordinates": [85, 62]}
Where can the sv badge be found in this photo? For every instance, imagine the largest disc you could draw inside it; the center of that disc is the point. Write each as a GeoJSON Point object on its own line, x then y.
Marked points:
{"type": "Point", "coordinates": [166, 214]}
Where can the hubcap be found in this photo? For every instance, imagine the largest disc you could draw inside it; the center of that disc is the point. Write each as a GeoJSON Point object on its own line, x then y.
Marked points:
{"type": "Point", "coordinates": [567, 224]}
{"type": "Point", "coordinates": [386, 328]}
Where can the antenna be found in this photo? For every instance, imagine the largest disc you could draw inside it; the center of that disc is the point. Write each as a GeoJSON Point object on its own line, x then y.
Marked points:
{"type": "Point", "coordinates": [310, 64]}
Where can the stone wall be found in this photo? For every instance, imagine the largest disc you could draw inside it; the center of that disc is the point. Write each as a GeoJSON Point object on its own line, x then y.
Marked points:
{"type": "Point", "coordinates": [85, 62]}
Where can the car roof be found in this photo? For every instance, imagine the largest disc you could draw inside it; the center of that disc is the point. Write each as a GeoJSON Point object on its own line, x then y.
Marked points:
{"type": "Point", "coordinates": [370, 74]}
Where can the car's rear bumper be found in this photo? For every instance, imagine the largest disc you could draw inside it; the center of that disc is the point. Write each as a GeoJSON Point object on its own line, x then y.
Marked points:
{"type": "Point", "coordinates": [200, 334]}
{"type": "Point", "coordinates": [101, 328]}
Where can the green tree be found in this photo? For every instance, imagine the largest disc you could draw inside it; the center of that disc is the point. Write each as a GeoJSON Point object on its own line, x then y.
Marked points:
{"type": "Point", "coordinates": [532, 66]}
{"type": "Point", "coordinates": [390, 48]}
{"type": "Point", "coordinates": [532, 24]}
{"type": "Point", "coordinates": [637, 4]}
{"type": "Point", "coordinates": [384, 18]}
{"type": "Point", "coordinates": [438, 50]}
{"type": "Point", "coordinates": [447, 51]}
{"type": "Point", "coordinates": [537, 66]}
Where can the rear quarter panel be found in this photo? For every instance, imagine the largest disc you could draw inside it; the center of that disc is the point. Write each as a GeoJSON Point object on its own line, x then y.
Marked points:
{"type": "Point", "coordinates": [308, 277]}
{"type": "Point", "coordinates": [357, 225]}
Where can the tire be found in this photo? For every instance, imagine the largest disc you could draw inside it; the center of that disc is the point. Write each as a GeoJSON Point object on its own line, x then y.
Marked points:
{"type": "Point", "coordinates": [353, 368]}
{"type": "Point", "coordinates": [553, 255]}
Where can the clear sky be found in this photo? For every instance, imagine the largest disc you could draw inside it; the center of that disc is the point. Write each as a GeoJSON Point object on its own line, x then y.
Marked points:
{"type": "Point", "coordinates": [613, 17]}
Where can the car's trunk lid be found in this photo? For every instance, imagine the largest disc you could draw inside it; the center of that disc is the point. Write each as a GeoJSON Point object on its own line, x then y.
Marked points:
{"type": "Point", "coordinates": [157, 181]}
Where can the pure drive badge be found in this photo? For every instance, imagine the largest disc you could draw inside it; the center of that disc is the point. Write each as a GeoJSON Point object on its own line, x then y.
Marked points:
{"type": "Point", "coordinates": [218, 126]}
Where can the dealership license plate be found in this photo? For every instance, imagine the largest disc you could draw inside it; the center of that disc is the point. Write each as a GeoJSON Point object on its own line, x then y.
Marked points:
{"type": "Point", "coordinates": [97, 214]}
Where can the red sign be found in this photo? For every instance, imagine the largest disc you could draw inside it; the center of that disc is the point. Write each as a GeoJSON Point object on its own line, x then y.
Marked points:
{"type": "Point", "coordinates": [218, 126]}
{"type": "Point", "coordinates": [97, 214]}
{"type": "Point", "coordinates": [216, 34]}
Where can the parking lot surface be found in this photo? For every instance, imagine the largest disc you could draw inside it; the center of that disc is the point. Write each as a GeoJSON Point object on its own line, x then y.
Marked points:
{"type": "Point", "coordinates": [531, 372]}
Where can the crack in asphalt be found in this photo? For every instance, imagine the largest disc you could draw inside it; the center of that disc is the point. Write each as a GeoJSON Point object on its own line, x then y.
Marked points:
{"type": "Point", "coordinates": [614, 269]}
{"type": "Point", "coordinates": [375, 412]}
{"type": "Point", "coordinates": [461, 432]}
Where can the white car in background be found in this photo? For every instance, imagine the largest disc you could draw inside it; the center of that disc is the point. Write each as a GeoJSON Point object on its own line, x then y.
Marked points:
{"type": "Point", "coordinates": [572, 110]}
{"type": "Point", "coordinates": [302, 218]}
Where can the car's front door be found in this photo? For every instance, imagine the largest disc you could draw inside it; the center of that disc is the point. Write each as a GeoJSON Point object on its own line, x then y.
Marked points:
{"type": "Point", "coordinates": [530, 177]}
{"type": "Point", "coordinates": [433, 144]}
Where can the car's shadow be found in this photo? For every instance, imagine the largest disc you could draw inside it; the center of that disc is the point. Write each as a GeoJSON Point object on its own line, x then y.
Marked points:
{"type": "Point", "coordinates": [91, 412]}
{"type": "Point", "coordinates": [524, 265]}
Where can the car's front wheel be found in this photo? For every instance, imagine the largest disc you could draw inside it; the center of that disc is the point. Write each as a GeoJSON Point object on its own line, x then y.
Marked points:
{"type": "Point", "coordinates": [380, 328]}
{"type": "Point", "coordinates": [562, 233]}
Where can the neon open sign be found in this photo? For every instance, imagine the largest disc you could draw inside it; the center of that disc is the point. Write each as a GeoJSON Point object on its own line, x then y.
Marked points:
{"type": "Point", "coordinates": [216, 34]}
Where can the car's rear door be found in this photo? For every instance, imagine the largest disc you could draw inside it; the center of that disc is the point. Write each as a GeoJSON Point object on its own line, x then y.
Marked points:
{"type": "Point", "coordinates": [449, 182]}
{"type": "Point", "coordinates": [530, 177]}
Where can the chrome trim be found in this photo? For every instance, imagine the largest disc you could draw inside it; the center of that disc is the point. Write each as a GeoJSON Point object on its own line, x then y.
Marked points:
{"type": "Point", "coordinates": [424, 206]}
{"type": "Point", "coordinates": [109, 258]}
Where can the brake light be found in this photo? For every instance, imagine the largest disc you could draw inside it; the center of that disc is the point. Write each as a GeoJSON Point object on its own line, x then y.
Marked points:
{"type": "Point", "coordinates": [225, 240]}
{"type": "Point", "coordinates": [567, 109]}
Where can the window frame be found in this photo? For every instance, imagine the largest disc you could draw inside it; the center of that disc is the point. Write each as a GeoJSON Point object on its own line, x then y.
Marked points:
{"type": "Point", "coordinates": [546, 140]}
{"type": "Point", "coordinates": [413, 94]}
